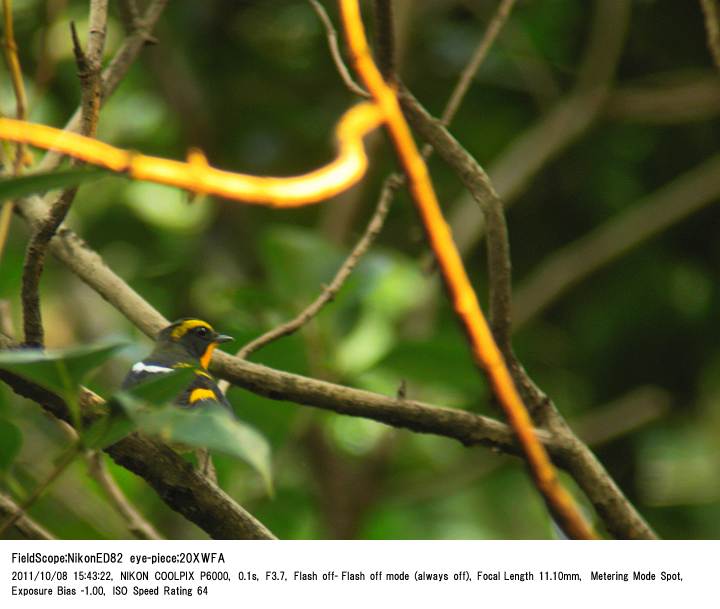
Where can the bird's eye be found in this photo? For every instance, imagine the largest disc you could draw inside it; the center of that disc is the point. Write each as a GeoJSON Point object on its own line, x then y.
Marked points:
{"type": "Point", "coordinates": [201, 331]}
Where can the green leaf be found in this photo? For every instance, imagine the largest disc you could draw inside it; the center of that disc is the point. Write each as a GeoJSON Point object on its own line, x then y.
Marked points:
{"type": "Point", "coordinates": [61, 370]}
{"type": "Point", "coordinates": [10, 443]}
{"type": "Point", "coordinates": [109, 429]}
{"type": "Point", "coordinates": [155, 391]}
{"type": "Point", "coordinates": [12, 188]}
{"type": "Point", "coordinates": [162, 388]}
{"type": "Point", "coordinates": [211, 427]}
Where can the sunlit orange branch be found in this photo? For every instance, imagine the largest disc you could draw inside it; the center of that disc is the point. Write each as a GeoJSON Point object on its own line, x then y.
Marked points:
{"type": "Point", "coordinates": [485, 350]}
{"type": "Point", "coordinates": [197, 176]}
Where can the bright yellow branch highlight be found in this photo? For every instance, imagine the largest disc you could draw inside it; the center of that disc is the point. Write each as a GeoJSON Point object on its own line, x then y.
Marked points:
{"type": "Point", "coordinates": [197, 176]}
{"type": "Point", "coordinates": [485, 350]}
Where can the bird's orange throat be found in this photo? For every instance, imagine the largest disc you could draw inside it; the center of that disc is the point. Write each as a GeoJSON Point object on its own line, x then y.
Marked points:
{"type": "Point", "coordinates": [205, 359]}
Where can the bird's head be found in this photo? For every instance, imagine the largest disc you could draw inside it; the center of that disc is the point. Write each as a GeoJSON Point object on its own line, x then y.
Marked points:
{"type": "Point", "coordinates": [192, 339]}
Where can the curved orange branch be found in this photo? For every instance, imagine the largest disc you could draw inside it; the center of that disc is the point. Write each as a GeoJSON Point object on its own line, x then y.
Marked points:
{"type": "Point", "coordinates": [485, 350]}
{"type": "Point", "coordinates": [197, 176]}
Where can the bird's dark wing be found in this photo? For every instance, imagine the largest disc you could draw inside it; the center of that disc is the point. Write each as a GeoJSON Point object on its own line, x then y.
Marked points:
{"type": "Point", "coordinates": [202, 392]}
{"type": "Point", "coordinates": [142, 371]}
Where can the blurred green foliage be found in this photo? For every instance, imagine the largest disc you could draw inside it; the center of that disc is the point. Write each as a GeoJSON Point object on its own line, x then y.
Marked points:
{"type": "Point", "coordinates": [253, 85]}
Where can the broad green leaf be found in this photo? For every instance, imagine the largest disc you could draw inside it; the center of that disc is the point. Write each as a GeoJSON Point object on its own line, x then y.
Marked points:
{"type": "Point", "coordinates": [109, 429]}
{"type": "Point", "coordinates": [156, 391]}
{"type": "Point", "coordinates": [12, 188]}
{"type": "Point", "coordinates": [211, 427]}
{"type": "Point", "coordinates": [61, 370]}
{"type": "Point", "coordinates": [162, 388]}
{"type": "Point", "coordinates": [10, 443]}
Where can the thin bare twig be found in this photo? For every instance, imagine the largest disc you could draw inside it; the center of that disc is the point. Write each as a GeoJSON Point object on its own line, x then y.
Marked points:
{"type": "Point", "coordinates": [478, 184]}
{"type": "Point", "coordinates": [280, 385]}
{"type": "Point", "coordinates": [124, 57]}
{"type": "Point", "coordinates": [33, 268]}
{"type": "Point", "coordinates": [539, 404]}
{"type": "Point", "coordinates": [89, 65]}
{"type": "Point", "coordinates": [335, 53]}
{"type": "Point", "coordinates": [391, 185]}
{"type": "Point", "coordinates": [24, 524]}
{"type": "Point", "coordinates": [478, 56]}
{"type": "Point", "coordinates": [584, 463]}
{"type": "Point", "coordinates": [129, 14]}
{"type": "Point", "coordinates": [485, 351]}
{"type": "Point", "coordinates": [330, 291]}
{"type": "Point", "coordinates": [712, 27]}
{"type": "Point", "coordinates": [618, 515]}
{"type": "Point", "coordinates": [600, 425]}
{"type": "Point", "coordinates": [135, 522]}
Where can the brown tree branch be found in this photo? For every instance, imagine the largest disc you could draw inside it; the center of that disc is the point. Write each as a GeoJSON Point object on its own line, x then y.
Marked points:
{"type": "Point", "coordinates": [501, 294]}
{"type": "Point", "coordinates": [335, 53]}
{"type": "Point", "coordinates": [486, 354]}
{"type": "Point", "coordinates": [285, 386]}
{"type": "Point", "coordinates": [463, 426]}
{"type": "Point", "coordinates": [89, 65]}
{"type": "Point", "coordinates": [176, 481]}
{"type": "Point", "coordinates": [618, 512]}
{"type": "Point", "coordinates": [115, 72]}
{"type": "Point", "coordinates": [25, 525]}
{"type": "Point", "coordinates": [395, 181]}
{"type": "Point", "coordinates": [470, 429]}
{"type": "Point", "coordinates": [600, 425]}
{"type": "Point", "coordinates": [330, 291]}
{"type": "Point", "coordinates": [481, 189]}
{"type": "Point", "coordinates": [611, 504]}
{"type": "Point", "coordinates": [478, 56]}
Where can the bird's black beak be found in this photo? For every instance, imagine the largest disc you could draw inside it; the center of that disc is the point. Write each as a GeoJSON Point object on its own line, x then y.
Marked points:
{"type": "Point", "coordinates": [223, 338]}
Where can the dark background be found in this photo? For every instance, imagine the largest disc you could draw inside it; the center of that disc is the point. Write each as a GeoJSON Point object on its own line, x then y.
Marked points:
{"type": "Point", "coordinates": [253, 85]}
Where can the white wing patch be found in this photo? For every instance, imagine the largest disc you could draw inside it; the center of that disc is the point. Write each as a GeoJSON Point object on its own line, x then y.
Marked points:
{"type": "Point", "coordinates": [150, 368]}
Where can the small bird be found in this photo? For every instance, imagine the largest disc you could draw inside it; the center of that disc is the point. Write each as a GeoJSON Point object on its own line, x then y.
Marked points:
{"type": "Point", "coordinates": [186, 343]}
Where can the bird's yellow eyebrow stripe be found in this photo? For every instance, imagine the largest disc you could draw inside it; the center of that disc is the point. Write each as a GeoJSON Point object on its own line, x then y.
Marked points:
{"type": "Point", "coordinates": [202, 394]}
{"type": "Point", "coordinates": [189, 324]}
